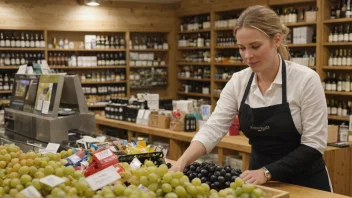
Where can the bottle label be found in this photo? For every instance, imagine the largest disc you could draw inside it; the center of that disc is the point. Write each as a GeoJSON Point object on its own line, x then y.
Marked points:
{"type": "Point", "coordinates": [333, 111]}
{"type": "Point", "coordinates": [329, 110]}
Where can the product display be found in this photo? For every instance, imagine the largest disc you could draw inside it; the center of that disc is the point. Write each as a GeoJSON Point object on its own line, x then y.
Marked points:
{"type": "Point", "coordinates": [20, 39]}
{"type": "Point", "coordinates": [19, 58]}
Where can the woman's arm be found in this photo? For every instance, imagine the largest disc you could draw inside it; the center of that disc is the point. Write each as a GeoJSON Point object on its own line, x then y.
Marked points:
{"type": "Point", "coordinates": [314, 134]}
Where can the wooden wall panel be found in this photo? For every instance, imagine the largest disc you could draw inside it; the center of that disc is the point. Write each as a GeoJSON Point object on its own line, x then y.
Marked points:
{"type": "Point", "coordinates": [69, 15]}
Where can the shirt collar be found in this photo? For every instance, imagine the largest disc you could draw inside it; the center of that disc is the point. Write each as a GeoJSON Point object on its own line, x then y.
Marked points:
{"type": "Point", "coordinates": [277, 80]}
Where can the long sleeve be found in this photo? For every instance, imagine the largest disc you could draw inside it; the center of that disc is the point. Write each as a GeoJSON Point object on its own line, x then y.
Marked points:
{"type": "Point", "coordinates": [219, 122]}
{"type": "Point", "coordinates": [314, 134]}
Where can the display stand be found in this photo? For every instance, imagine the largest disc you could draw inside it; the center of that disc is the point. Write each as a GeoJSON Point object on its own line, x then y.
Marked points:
{"type": "Point", "coordinates": [45, 108]}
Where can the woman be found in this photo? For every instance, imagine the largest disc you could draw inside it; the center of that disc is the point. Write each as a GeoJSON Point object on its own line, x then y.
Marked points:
{"type": "Point", "coordinates": [281, 107]}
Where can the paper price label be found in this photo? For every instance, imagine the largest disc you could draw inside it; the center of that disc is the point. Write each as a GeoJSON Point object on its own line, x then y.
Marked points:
{"type": "Point", "coordinates": [52, 180]}
{"type": "Point", "coordinates": [31, 192]}
{"type": "Point", "coordinates": [143, 188]}
{"type": "Point", "coordinates": [74, 158]}
{"type": "Point", "coordinates": [52, 148]}
{"type": "Point", "coordinates": [103, 154]}
{"type": "Point", "coordinates": [135, 163]}
{"type": "Point", "coordinates": [103, 178]}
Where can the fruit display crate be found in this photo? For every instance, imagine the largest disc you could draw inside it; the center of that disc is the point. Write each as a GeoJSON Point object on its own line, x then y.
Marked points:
{"type": "Point", "coordinates": [273, 193]}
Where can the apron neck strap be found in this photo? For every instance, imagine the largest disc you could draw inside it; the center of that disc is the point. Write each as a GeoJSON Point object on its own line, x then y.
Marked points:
{"type": "Point", "coordinates": [284, 92]}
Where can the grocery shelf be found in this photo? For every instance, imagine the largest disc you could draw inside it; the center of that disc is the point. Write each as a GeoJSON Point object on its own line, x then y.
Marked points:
{"type": "Point", "coordinates": [95, 67]}
{"type": "Point", "coordinates": [194, 63]}
{"type": "Point", "coordinates": [86, 50]}
{"type": "Point", "coordinates": [107, 82]}
{"type": "Point", "coordinates": [342, 20]}
{"type": "Point", "coordinates": [220, 81]}
{"type": "Point", "coordinates": [302, 45]}
{"type": "Point", "coordinates": [340, 118]}
{"type": "Point", "coordinates": [337, 43]}
{"type": "Point", "coordinates": [148, 50]}
{"type": "Point", "coordinates": [195, 79]}
{"type": "Point", "coordinates": [193, 94]}
{"type": "Point", "coordinates": [22, 49]}
{"type": "Point", "coordinates": [5, 91]}
{"type": "Point", "coordinates": [193, 31]}
{"type": "Point", "coordinates": [8, 67]}
{"type": "Point", "coordinates": [300, 24]}
{"type": "Point", "coordinates": [193, 48]}
{"type": "Point", "coordinates": [340, 93]}
{"type": "Point", "coordinates": [337, 67]}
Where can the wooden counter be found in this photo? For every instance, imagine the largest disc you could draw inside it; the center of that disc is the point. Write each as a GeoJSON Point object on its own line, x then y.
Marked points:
{"type": "Point", "coordinates": [338, 161]}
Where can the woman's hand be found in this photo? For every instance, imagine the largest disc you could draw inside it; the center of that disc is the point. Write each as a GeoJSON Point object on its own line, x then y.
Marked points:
{"type": "Point", "coordinates": [178, 166]}
{"type": "Point", "coordinates": [253, 177]}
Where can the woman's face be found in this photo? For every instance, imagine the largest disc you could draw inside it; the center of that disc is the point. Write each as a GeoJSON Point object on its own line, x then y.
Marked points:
{"type": "Point", "coordinates": [256, 48]}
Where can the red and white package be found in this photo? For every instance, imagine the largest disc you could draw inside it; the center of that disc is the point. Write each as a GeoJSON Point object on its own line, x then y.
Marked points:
{"type": "Point", "coordinates": [104, 158]}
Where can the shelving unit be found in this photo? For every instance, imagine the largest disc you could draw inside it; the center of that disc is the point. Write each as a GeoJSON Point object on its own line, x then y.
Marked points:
{"type": "Point", "coordinates": [77, 37]}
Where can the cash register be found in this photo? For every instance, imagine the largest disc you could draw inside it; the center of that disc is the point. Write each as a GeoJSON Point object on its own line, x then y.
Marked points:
{"type": "Point", "coordinates": [46, 108]}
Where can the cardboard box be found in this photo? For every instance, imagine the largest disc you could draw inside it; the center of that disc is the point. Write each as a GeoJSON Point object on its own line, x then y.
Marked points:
{"type": "Point", "coordinates": [311, 16]}
{"type": "Point", "coordinates": [153, 119]}
{"type": "Point", "coordinates": [163, 122]}
{"type": "Point", "coordinates": [333, 131]}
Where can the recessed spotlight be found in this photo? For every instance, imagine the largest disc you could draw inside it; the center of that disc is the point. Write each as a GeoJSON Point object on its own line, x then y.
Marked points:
{"type": "Point", "coordinates": [92, 2]}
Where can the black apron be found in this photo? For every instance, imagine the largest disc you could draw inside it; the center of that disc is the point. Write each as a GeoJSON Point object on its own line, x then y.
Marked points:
{"type": "Point", "coordinates": [273, 135]}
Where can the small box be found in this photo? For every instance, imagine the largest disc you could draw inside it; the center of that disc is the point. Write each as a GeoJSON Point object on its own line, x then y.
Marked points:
{"type": "Point", "coordinates": [153, 119]}
{"type": "Point", "coordinates": [311, 16]}
{"type": "Point", "coordinates": [163, 122]}
{"type": "Point", "coordinates": [333, 131]}
{"type": "Point", "coordinates": [306, 34]}
{"type": "Point", "coordinates": [88, 41]}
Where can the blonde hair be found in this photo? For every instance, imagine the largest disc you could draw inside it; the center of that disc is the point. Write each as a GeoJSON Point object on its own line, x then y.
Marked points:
{"type": "Point", "coordinates": [265, 20]}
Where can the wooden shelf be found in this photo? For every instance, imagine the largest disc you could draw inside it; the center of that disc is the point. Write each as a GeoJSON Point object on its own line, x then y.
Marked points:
{"type": "Point", "coordinates": [227, 47]}
{"type": "Point", "coordinates": [341, 118]}
{"type": "Point", "coordinates": [224, 29]}
{"type": "Point", "coordinates": [96, 106]}
{"type": "Point", "coordinates": [221, 81]}
{"type": "Point", "coordinates": [148, 50]}
{"type": "Point", "coordinates": [337, 44]}
{"type": "Point", "coordinates": [5, 91]}
{"type": "Point", "coordinates": [300, 24]}
{"type": "Point", "coordinates": [86, 50]}
{"type": "Point", "coordinates": [231, 64]}
{"type": "Point", "coordinates": [107, 82]}
{"type": "Point", "coordinates": [8, 67]}
{"type": "Point", "coordinates": [22, 49]}
{"type": "Point", "coordinates": [147, 67]}
{"type": "Point", "coordinates": [342, 20]}
{"type": "Point", "coordinates": [193, 94]}
{"type": "Point", "coordinates": [95, 67]}
{"type": "Point", "coordinates": [195, 79]}
{"type": "Point", "coordinates": [340, 93]}
{"type": "Point", "coordinates": [216, 96]}
{"type": "Point", "coordinates": [193, 48]}
{"type": "Point", "coordinates": [194, 31]}
{"type": "Point", "coordinates": [194, 63]}
{"type": "Point", "coordinates": [302, 45]}
{"type": "Point", "coordinates": [337, 67]}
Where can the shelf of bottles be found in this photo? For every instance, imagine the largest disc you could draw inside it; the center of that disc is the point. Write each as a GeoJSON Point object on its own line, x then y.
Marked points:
{"type": "Point", "coordinates": [193, 57]}
{"type": "Point", "coordinates": [148, 60]}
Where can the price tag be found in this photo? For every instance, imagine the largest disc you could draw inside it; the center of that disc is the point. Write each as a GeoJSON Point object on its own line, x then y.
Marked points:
{"type": "Point", "coordinates": [52, 180]}
{"type": "Point", "coordinates": [103, 154]}
{"type": "Point", "coordinates": [143, 188]}
{"type": "Point", "coordinates": [52, 148]}
{"type": "Point", "coordinates": [135, 163]}
{"type": "Point", "coordinates": [22, 69]}
{"type": "Point", "coordinates": [74, 158]}
{"type": "Point", "coordinates": [31, 192]}
{"type": "Point", "coordinates": [103, 178]}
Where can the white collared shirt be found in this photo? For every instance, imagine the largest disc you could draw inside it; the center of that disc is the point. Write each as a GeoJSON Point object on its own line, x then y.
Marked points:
{"type": "Point", "coordinates": [304, 93]}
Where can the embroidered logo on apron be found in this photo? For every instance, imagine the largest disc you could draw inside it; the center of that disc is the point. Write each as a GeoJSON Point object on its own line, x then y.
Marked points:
{"type": "Point", "coordinates": [260, 128]}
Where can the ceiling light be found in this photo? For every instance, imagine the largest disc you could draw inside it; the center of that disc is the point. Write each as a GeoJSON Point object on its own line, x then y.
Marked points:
{"type": "Point", "coordinates": [93, 2]}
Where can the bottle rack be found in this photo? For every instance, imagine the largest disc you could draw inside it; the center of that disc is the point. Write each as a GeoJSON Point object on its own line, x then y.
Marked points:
{"type": "Point", "coordinates": [67, 53]}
